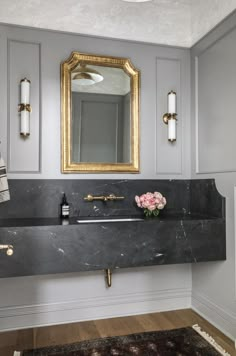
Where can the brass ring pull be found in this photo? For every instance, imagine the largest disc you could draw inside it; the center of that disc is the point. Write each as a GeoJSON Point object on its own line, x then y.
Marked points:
{"type": "Point", "coordinates": [9, 249]}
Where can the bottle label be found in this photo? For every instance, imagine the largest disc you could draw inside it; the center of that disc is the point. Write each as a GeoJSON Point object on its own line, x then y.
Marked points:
{"type": "Point", "coordinates": [65, 210]}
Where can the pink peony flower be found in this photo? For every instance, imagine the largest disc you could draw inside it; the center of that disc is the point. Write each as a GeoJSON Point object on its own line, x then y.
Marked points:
{"type": "Point", "coordinates": [152, 207]}
{"type": "Point", "coordinates": [137, 199]}
{"type": "Point", "coordinates": [151, 202]}
{"type": "Point", "coordinates": [157, 195]}
{"type": "Point", "coordinates": [164, 200]}
{"type": "Point", "coordinates": [145, 204]}
{"type": "Point", "coordinates": [142, 198]}
{"type": "Point", "coordinates": [158, 200]}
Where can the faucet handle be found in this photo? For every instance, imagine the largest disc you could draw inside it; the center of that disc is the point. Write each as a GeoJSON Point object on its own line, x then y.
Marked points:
{"type": "Point", "coordinates": [89, 197]}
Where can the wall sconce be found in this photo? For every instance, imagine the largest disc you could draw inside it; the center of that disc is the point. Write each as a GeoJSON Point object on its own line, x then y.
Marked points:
{"type": "Point", "coordinates": [170, 117]}
{"type": "Point", "coordinates": [24, 108]}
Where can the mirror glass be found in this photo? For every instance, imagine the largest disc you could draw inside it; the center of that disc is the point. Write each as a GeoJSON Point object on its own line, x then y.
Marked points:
{"type": "Point", "coordinates": [100, 114]}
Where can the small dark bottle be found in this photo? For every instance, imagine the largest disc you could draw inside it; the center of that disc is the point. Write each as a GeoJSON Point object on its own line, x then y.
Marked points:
{"type": "Point", "coordinates": [65, 208]}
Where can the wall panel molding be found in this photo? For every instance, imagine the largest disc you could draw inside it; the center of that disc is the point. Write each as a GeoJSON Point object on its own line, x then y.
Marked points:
{"type": "Point", "coordinates": [3, 95]}
{"type": "Point", "coordinates": [235, 243]}
{"type": "Point", "coordinates": [213, 89]}
{"type": "Point", "coordinates": [93, 308]}
{"type": "Point", "coordinates": [24, 60]}
{"type": "Point", "coordinates": [168, 77]}
{"type": "Point", "coordinates": [224, 320]}
{"type": "Point", "coordinates": [210, 118]}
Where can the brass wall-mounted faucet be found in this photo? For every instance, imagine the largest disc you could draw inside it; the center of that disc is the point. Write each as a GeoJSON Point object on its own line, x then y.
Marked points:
{"type": "Point", "coordinates": [110, 197]}
{"type": "Point", "coordinates": [9, 249]}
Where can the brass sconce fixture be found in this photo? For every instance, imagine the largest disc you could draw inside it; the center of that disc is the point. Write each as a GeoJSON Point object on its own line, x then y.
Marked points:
{"type": "Point", "coordinates": [170, 118]}
{"type": "Point", "coordinates": [24, 108]}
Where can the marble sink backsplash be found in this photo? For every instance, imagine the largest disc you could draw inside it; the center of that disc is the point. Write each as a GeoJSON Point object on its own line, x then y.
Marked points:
{"type": "Point", "coordinates": [42, 198]}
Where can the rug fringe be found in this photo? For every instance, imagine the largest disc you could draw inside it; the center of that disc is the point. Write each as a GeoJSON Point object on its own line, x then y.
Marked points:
{"type": "Point", "coordinates": [210, 339]}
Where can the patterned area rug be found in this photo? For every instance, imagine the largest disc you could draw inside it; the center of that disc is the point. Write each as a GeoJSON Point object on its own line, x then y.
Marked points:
{"type": "Point", "coordinates": [177, 342]}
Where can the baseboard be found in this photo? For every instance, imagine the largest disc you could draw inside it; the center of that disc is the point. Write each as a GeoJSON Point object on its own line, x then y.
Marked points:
{"type": "Point", "coordinates": [224, 320]}
{"type": "Point", "coordinates": [27, 316]}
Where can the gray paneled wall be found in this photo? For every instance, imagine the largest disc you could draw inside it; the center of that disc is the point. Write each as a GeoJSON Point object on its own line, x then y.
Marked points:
{"type": "Point", "coordinates": [64, 298]}
{"type": "Point", "coordinates": [215, 121]}
{"type": "Point", "coordinates": [214, 155]}
{"type": "Point", "coordinates": [37, 54]}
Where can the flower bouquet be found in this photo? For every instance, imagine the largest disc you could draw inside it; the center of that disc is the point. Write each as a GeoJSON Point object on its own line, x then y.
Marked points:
{"type": "Point", "coordinates": [151, 203]}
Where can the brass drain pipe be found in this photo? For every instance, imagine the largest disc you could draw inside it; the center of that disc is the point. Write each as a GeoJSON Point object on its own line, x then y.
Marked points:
{"type": "Point", "coordinates": [108, 276]}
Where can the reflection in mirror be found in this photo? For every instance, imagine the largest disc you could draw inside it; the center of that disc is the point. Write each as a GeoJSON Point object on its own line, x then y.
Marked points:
{"type": "Point", "coordinates": [101, 116]}
{"type": "Point", "coordinates": [102, 130]}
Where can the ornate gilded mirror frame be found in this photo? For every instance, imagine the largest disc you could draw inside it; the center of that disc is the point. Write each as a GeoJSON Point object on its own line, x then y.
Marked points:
{"type": "Point", "coordinates": [67, 165]}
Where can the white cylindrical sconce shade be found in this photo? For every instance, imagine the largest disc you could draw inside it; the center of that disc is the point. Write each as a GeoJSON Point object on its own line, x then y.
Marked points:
{"type": "Point", "coordinates": [171, 104]}
{"type": "Point", "coordinates": [25, 91]}
{"type": "Point", "coordinates": [25, 123]}
{"type": "Point", "coordinates": [170, 118]}
{"type": "Point", "coordinates": [24, 107]}
{"type": "Point", "coordinates": [172, 129]}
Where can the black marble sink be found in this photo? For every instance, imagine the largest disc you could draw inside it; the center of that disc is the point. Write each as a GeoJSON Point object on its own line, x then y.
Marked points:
{"type": "Point", "coordinates": [109, 219]}
{"type": "Point", "coordinates": [23, 222]}
{"type": "Point", "coordinates": [190, 229]}
{"type": "Point", "coordinates": [55, 221]}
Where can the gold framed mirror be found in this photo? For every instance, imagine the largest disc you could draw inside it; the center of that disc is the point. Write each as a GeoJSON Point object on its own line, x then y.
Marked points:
{"type": "Point", "coordinates": [99, 114]}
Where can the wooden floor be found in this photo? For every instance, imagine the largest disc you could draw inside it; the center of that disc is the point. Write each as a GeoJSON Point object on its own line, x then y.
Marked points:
{"type": "Point", "coordinates": [64, 334]}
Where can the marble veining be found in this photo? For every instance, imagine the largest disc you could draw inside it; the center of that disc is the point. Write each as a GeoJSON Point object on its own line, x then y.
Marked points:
{"type": "Point", "coordinates": [61, 249]}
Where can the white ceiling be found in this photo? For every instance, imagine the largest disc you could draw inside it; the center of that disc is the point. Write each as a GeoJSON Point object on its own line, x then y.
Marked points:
{"type": "Point", "coordinates": [169, 22]}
